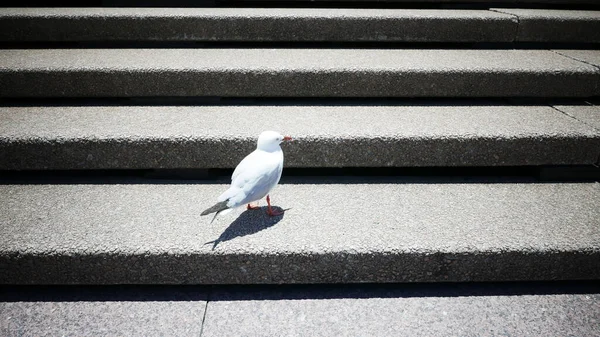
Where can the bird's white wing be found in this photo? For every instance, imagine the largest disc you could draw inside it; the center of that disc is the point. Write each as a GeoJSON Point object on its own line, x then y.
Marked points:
{"type": "Point", "coordinates": [249, 160]}
{"type": "Point", "coordinates": [254, 177]}
{"type": "Point", "coordinates": [241, 167]}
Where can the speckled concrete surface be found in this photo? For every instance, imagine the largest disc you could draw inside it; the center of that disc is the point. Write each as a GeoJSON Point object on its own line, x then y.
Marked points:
{"type": "Point", "coordinates": [324, 136]}
{"type": "Point", "coordinates": [298, 24]}
{"type": "Point", "coordinates": [588, 56]}
{"type": "Point", "coordinates": [254, 24]}
{"type": "Point", "coordinates": [440, 309]}
{"type": "Point", "coordinates": [520, 315]}
{"type": "Point", "coordinates": [339, 232]}
{"type": "Point", "coordinates": [107, 312]}
{"type": "Point", "coordinates": [589, 115]}
{"type": "Point", "coordinates": [294, 73]}
{"type": "Point", "coordinates": [553, 25]}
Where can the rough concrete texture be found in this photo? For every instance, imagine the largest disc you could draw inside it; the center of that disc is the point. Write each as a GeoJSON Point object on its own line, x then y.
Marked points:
{"type": "Point", "coordinates": [339, 232]}
{"type": "Point", "coordinates": [547, 25]}
{"type": "Point", "coordinates": [490, 309]}
{"type": "Point", "coordinates": [254, 24]}
{"type": "Point", "coordinates": [589, 115]}
{"type": "Point", "coordinates": [324, 136]}
{"type": "Point", "coordinates": [109, 312]}
{"type": "Point", "coordinates": [294, 73]}
{"type": "Point", "coordinates": [588, 56]}
{"type": "Point", "coordinates": [407, 314]}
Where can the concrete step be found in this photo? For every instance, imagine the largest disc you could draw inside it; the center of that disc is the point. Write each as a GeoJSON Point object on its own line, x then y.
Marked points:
{"type": "Point", "coordinates": [255, 24]}
{"type": "Point", "coordinates": [101, 311]}
{"type": "Point", "coordinates": [297, 73]}
{"type": "Point", "coordinates": [587, 56]}
{"type": "Point", "coordinates": [333, 231]}
{"type": "Point", "coordinates": [137, 137]}
{"type": "Point", "coordinates": [539, 25]}
{"type": "Point", "coordinates": [522, 309]}
{"type": "Point", "coordinates": [455, 310]}
{"type": "Point", "coordinates": [297, 24]}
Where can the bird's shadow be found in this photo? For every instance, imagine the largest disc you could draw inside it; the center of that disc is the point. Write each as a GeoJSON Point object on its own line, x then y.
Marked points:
{"type": "Point", "coordinates": [248, 223]}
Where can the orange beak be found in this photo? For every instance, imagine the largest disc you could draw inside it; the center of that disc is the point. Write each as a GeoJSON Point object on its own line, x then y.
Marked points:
{"type": "Point", "coordinates": [287, 138]}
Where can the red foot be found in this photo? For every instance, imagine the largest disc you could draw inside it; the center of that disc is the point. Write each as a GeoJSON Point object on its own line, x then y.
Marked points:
{"type": "Point", "coordinates": [270, 210]}
{"type": "Point", "coordinates": [250, 207]}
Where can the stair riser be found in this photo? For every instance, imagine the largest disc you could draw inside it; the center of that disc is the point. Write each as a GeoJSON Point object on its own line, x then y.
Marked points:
{"type": "Point", "coordinates": [297, 83]}
{"type": "Point", "coordinates": [323, 152]}
{"type": "Point", "coordinates": [255, 25]}
{"type": "Point", "coordinates": [376, 267]}
{"type": "Point", "coordinates": [297, 73]}
{"type": "Point", "coordinates": [297, 25]}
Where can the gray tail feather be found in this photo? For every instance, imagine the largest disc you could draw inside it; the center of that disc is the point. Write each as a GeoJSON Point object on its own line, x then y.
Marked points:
{"type": "Point", "coordinates": [218, 207]}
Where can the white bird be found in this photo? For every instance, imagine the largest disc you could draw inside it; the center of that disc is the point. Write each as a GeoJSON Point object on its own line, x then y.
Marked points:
{"type": "Point", "coordinates": [255, 176]}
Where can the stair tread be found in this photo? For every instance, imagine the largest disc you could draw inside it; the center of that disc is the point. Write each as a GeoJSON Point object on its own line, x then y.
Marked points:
{"type": "Point", "coordinates": [403, 314]}
{"type": "Point", "coordinates": [374, 310]}
{"type": "Point", "coordinates": [587, 56]}
{"type": "Point", "coordinates": [334, 231]}
{"type": "Point", "coordinates": [589, 115]}
{"type": "Point", "coordinates": [296, 73]}
{"type": "Point", "coordinates": [136, 137]}
{"type": "Point", "coordinates": [114, 311]}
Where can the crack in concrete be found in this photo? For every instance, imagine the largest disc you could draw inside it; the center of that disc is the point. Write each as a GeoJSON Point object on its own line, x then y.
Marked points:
{"type": "Point", "coordinates": [575, 118]}
{"type": "Point", "coordinates": [204, 316]}
{"type": "Point", "coordinates": [584, 62]}
{"type": "Point", "coordinates": [597, 163]}
{"type": "Point", "coordinates": [517, 29]}
{"type": "Point", "coordinates": [575, 59]}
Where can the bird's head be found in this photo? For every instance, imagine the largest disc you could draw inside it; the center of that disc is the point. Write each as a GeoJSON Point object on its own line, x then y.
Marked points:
{"type": "Point", "coordinates": [270, 140]}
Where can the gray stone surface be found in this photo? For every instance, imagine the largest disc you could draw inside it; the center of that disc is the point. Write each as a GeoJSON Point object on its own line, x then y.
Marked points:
{"type": "Point", "coordinates": [324, 136]}
{"type": "Point", "coordinates": [407, 314]}
{"type": "Point", "coordinates": [254, 24]}
{"type": "Point", "coordinates": [546, 25]}
{"type": "Point", "coordinates": [294, 73]}
{"type": "Point", "coordinates": [332, 232]}
{"type": "Point", "coordinates": [589, 115]}
{"type": "Point", "coordinates": [591, 57]}
{"type": "Point", "coordinates": [137, 313]}
{"type": "Point", "coordinates": [469, 309]}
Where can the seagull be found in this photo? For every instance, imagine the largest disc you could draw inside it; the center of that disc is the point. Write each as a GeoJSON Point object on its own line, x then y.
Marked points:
{"type": "Point", "coordinates": [254, 177]}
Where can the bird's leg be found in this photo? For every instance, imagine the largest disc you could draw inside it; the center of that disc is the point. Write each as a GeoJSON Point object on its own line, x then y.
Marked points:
{"type": "Point", "coordinates": [250, 207]}
{"type": "Point", "coordinates": [270, 211]}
